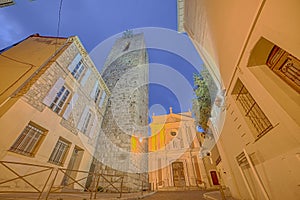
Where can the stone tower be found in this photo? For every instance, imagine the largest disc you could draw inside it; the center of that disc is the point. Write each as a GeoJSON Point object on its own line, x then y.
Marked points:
{"type": "Point", "coordinates": [126, 75]}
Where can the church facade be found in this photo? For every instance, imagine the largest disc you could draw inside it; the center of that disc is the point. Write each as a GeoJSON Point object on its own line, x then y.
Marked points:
{"type": "Point", "coordinates": [174, 162]}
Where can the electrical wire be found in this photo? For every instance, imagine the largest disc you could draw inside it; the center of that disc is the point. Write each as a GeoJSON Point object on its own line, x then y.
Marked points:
{"type": "Point", "coordinates": [58, 22]}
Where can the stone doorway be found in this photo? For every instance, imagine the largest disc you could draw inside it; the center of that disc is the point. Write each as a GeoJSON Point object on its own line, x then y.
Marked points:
{"type": "Point", "coordinates": [178, 174]}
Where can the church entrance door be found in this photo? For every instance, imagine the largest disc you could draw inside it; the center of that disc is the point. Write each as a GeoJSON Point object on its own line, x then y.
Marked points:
{"type": "Point", "coordinates": [178, 174]}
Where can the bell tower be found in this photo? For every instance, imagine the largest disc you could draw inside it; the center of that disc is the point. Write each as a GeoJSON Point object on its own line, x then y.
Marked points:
{"type": "Point", "coordinates": [125, 123]}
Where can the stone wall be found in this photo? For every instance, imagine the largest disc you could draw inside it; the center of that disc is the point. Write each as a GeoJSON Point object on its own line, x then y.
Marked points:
{"type": "Point", "coordinates": [126, 75]}
{"type": "Point", "coordinates": [58, 68]}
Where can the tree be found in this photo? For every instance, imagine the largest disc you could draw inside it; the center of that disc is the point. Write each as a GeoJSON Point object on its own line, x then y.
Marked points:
{"type": "Point", "coordinates": [205, 91]}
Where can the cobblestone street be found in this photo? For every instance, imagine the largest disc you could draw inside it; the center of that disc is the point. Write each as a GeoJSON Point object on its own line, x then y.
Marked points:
{"type": "Point", "coordinates": [177, 195]}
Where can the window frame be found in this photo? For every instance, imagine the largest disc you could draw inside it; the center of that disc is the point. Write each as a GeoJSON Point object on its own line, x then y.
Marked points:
{"type": "Point", "coordinates": [285, 66]}
{"type": "Point", "coordinates": [60, 97]}
{"type": "Point", "coordinates": [60, 160]}
{"type": "Point", "coordinates": [256, 119]}
{"type": "Point", "coordinates": [102, 99]}
{"type": "Point", "coordinates": [34, 142]}
{"type": "Point", "coordinates": [97, 93]}
{"type": "Point", "coordinates": [78, 70]}
{"type": "Point", "coordinates": [86, 122]}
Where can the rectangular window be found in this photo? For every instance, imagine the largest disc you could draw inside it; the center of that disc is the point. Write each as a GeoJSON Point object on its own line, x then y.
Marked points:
{"type": "Point", "coordinates": [252, 111]}
{"type": "Point", "coordinates": [102, 99]}
{"type": "Point", "coordinates": [60, 100]}
{"type": "Point", "coordinates": [59, 152]}
{"type": "Point", "coordinates": [29, 140]}
{"type": "Point", "coordinates": [77, 71]}
{"type": "Point", "coordinates": [97, 94]}
{"type": "Point", "coordinates": [86, 122]}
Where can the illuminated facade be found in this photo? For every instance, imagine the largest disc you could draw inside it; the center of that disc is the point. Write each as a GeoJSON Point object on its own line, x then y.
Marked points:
{"type": "Point", "coordinates": [174, 162]}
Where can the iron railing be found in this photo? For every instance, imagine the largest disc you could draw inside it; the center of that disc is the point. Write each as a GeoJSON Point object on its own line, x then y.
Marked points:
{"type": "Point", "coordinates": [49, 181]}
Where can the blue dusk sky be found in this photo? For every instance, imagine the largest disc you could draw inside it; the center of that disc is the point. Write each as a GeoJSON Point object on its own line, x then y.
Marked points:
{"type": "Point", "coordinates": [172, 57]}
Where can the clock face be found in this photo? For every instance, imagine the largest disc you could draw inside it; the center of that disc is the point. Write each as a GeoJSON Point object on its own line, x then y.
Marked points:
{"type": "Point", "coordinates": [173, 133]}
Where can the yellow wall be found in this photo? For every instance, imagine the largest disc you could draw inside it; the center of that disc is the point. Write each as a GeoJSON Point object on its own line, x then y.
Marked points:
{"type": "Point", "coordinates": [19, 63]}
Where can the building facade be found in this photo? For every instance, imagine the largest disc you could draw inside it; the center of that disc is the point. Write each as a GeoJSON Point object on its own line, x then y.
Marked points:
{"type": "Point", "coordinates": [52, 104]}
{"type": "Point", "coordinates": [126, 74]}
{"type": "Point", "coordinates": [252, 51]}
{"type": "Point", "coordinates": [174, 162]}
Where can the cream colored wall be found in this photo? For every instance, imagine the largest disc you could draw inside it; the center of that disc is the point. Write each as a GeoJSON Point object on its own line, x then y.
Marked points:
{"type": "Point", "coordinates": [48, 120]}
{"type": "Point", "coordinates": [276, 154]}
{"type": "Point", "coordinates": [18, 112]}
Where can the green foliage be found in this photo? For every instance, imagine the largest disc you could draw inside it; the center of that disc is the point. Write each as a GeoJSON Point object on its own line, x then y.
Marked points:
{"type": "Point", "coordinates": [205, 91]}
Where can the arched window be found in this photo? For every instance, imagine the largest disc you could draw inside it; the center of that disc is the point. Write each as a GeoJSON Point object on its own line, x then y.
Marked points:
{"type": "Point", "coordinates": [278, 71]}
{"type": "Point", "coordinates": [286, 66]}
{"type": "Point", "coordinates": [281, 62]}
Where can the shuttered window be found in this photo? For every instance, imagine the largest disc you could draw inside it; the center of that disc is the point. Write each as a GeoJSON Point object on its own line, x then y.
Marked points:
{"type": "Point", "coordinates": [102, 99]}
{"type": "Point", "coordinates": [78, 70]}
{"type": "Point", "coordinates": [60, 100]}
{"type": "Point", "coordinates": [70, 106]}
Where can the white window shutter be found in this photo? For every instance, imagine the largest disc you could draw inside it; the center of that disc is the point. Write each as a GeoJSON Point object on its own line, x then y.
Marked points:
{"type": "Point", "coordinates": [74, 62]}
{"type": "Point", "coordinates": [85, 77]}
{"type": "Point", "coordinates": [72, 103]}
{"type": "Point", "coordinates": [53, 92]}
{"type": "Point", "coordinates": [102, 99]}
{"type": "Point", "coordinates": [82, 118]}
{"type": "Point", "coordinates": [95, 122]}
{"type": "Point", "coordinates": [93, 93]}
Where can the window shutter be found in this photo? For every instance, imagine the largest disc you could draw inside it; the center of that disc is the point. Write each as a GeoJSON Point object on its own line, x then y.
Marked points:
{"type": "Point", "coordinates": [85, 77]}
{"type": "Point", "coordinates": [70, 106]}
{"type": "Point", "coordinates": [93, 93]}
{"type": "Point", "coordinates": [91, 134]}
{"type": "Point", "coordinates": [83, 116]}
{"type": "Point", "coordinates": [102, 99]}
{"type": "Point", "coordinates": [74, 62]}
{"type": "Point", "coordinates": [53, 92]}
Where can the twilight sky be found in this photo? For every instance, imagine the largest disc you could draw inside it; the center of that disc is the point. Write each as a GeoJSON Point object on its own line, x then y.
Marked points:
{"type": "Point", "coordinates": [172, 57]}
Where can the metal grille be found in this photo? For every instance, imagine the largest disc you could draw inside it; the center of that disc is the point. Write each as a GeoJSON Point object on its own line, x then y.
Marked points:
{"type": "Point", "coordinates": [242, 160]}
{"type": "Point", "coordinates": [59, 153]}
{"type": "Point", "coordinates": [251, 109]}
{"type": "Point", "coordinates": [286, 66]}
{"type": "Point", "coordinates": [27, 142]}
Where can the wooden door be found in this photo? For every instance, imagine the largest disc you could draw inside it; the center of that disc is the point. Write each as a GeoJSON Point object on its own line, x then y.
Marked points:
{"type": "Point", "coordinates": [178, 174]}
{"type": "Point", "coordinates": [214, 178]}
